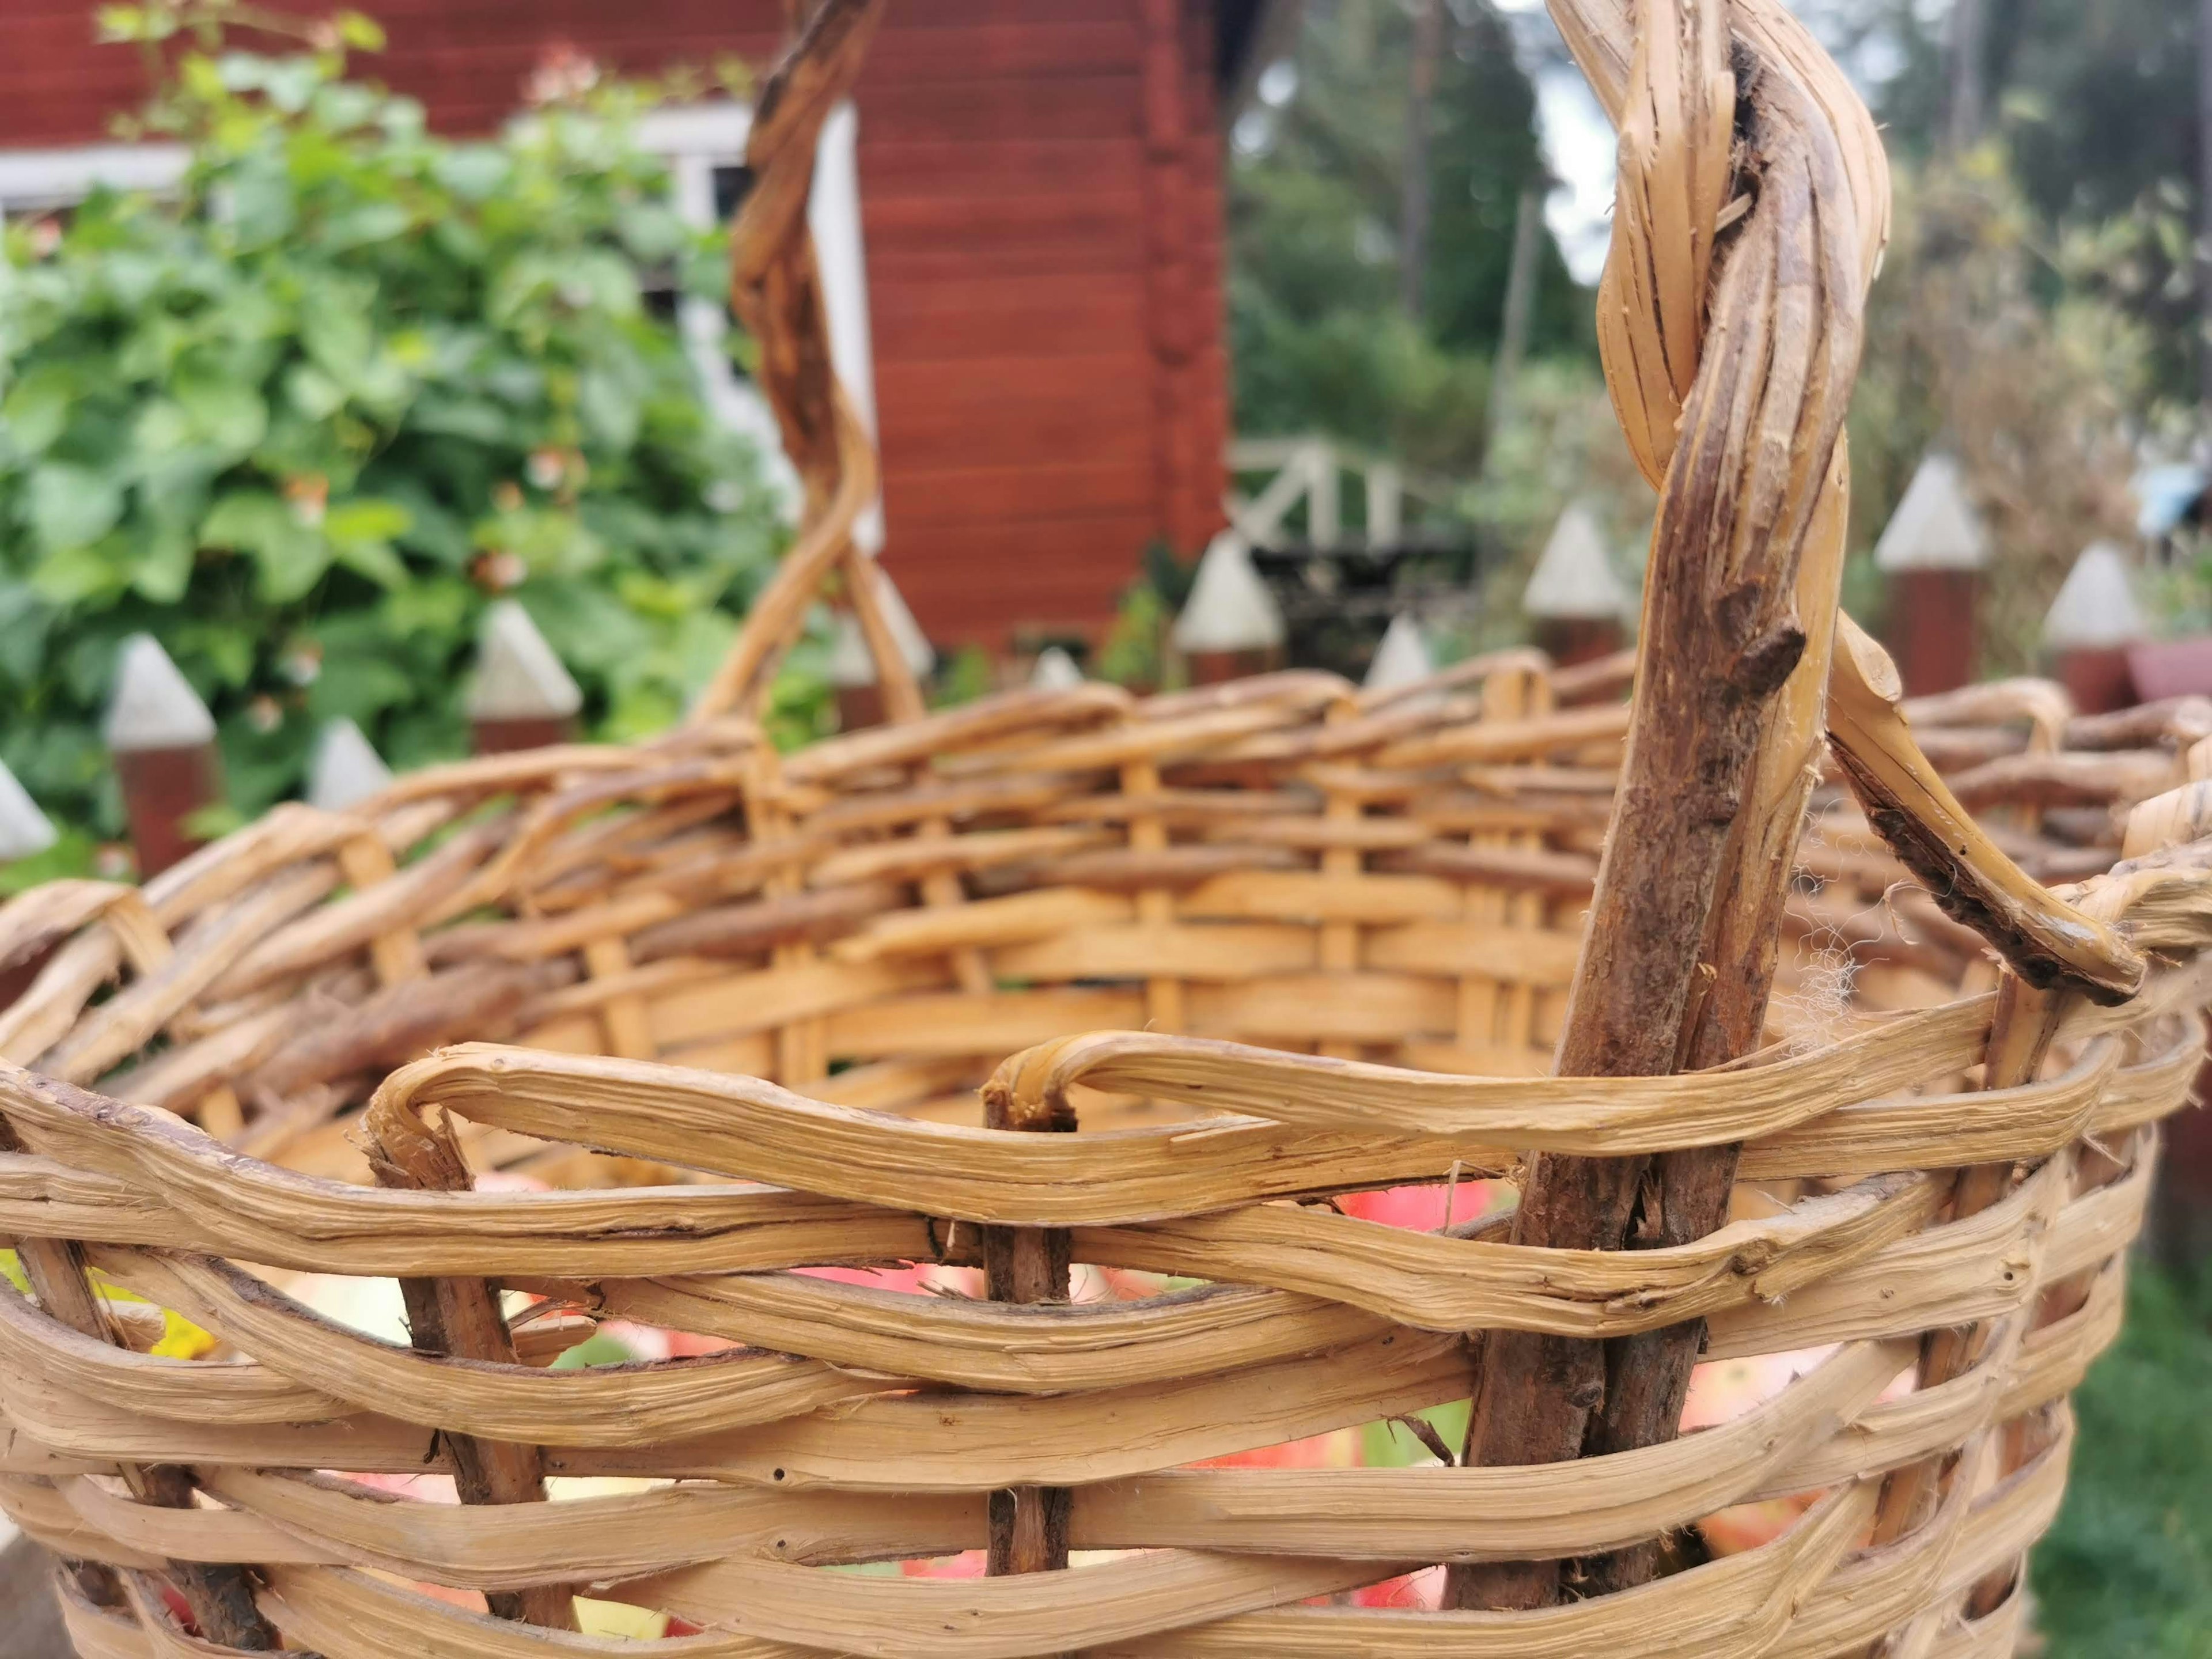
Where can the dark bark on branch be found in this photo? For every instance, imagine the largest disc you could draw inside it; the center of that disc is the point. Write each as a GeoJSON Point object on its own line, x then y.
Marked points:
{"type": "Point", "coordinates": [1722, 632]}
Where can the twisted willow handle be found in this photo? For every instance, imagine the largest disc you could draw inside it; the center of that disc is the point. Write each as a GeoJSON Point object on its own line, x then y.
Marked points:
{"type": "Point", "coordinates": [775, 288]}
{"type": "Point", "coordinates": [1752, 204]}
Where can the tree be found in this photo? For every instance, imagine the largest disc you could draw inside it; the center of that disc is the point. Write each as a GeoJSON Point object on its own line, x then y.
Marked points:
{"type": "Point", "coordinates": [1322, 333]}
{"type": "Point", "coordinates": [1413, 216]}
{"type": "Point", "coordinates": [2100, 111]}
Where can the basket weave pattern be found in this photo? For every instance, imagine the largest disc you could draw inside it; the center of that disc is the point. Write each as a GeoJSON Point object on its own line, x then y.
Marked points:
{"type": "Point", "coordinates": [1144, 987]}
{"type": "Point", "coordinates": [1173, 863]}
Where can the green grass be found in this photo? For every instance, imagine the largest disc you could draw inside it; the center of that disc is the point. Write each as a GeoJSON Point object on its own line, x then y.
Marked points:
{"type": "Point", "coordinates": [2126, 1572]}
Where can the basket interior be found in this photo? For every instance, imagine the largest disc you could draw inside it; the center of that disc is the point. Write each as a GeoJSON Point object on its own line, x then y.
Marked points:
{"type": "Point", "coordinates": [877, 923]}
{"type": "Point", "coordinates": [1405, 885]}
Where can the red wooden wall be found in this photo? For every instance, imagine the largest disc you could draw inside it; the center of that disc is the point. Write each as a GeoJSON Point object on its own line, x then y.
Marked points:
{"type": "Point", "coordinates": [1041, 198]}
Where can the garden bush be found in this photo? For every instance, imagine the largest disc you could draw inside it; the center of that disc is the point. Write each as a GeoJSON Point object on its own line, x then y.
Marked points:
{"type": "Point", "coordinates": [304, 418]}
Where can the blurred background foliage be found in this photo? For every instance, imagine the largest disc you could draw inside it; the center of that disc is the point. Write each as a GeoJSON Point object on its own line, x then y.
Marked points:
{"type": "Point", "coordinates": [2038, 311]}
{"type": "Point", "coordinates": [305, 419]}
{"type": "Point", "coordinates": [1323, 338]}
{"type": "Point", "coordinates": [2126, 1572]}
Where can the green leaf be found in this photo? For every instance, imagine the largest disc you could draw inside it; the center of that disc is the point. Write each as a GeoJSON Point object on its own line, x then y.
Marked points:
{"type": "Point", "coordinates": [366, 518]}
{"type": "Point", "coordinates": [373, 222]}
{"type": "Point", "coordinates": [429, 605]}
{"type": "Point", "coordinates": [471, 418]}
{"type": "Point", "coordinates": [26, 622]}
{"type": "Point", "coordinates": [242, 71]}
{"type": "Point", "coordinates": [652, 231]}
{"type": "Point", "coordinates": [362, 33]}
{"type": "Point", "coordinates": [358, 687]}
{"type": "Point", "coordinates": [374, 560]}
{"type": "Point", "coordinates": [609, 408]}
{"type": "Point", "coordinates": [162, 565]}
{"type": "Point", "coordinates": [313, 392]}
{"type": "Point", "coordinates": [431, 532]}
{"type": "Point", "coordinates": [289, 557]}
{"type": "Point", "coordinates": [291, 82]}
{"type": "Point", "coordinates": [243, 519]}
{"type": "Point", "coordinates": [221, 649]}
{"type": "Point", "coordinates": [344, 107]}
{"type": "Point", "coordinates": [337, 336]}
{"type": "Point", "coordinates": [551, 542]}
{"type": "Point", "coordinates": [474, 172]}
{"type": "Point", "coordinates": [73, 575]}
{"type": "Point", "coordinates": [37, 407]}
{"type": "Point", "coordinates": [72, 505]}
{"type": "Point", "coordinates": [213, 823]}
{"type": "Point", "coordinates": [226, 412]}
{"type": "Point", "coordinates": [290, 572]}
{"type": "Point", "coordinates": [263, 208]}
{"type": "Point", "coordinates": [163, 427]}
{"type": "Point", "coordinates": [341, 295]}
{"type": "Point", "coordinates": [118, 23]}
{"type": "Point", "coordinates": [174, 490]}
{"type": "Point", "coordinates": [597, 1349]}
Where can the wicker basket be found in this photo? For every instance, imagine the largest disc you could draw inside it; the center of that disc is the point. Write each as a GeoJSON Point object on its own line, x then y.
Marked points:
{"type": "Point", "coordinates": [1932, 1164]}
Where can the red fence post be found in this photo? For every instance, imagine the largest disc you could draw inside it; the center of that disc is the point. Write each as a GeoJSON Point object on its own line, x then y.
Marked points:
{"type": "Point", "coordinates": [1055, 671]}
{"type": "Point", "coordinates": [2089, 628]}
{"type": "Point", "coordinates": [346, 769]}
{"type": "Point", "coordinates": [521, 697]}
{"type": "Point", "coordinates": [1934, 550]}
{"type": "Point", "coordinates": [1574, 599]}
{"type": "Point", "coordinates": [1231, 625]}
{"type": "Point", "coordinates": [163, 739]}
{"type": "Point", "coordinates": [1402, 659]}
{"type": "Point", "coordinates": [25, 832]}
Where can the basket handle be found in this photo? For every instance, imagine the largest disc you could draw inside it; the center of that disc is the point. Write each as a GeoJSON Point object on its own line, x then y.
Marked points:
{"type": "Point", "coordinates": [776, 289]}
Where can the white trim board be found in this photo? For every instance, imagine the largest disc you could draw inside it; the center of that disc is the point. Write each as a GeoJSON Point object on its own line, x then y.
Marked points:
{"type": "Point", "coordinates": [31, 180]}
{"type": "Point", "coordinates": [696, 139]}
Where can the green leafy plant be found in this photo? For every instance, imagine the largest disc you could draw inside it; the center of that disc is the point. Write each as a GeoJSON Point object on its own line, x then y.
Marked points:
{"type": "Point", "coordinates": [305, 416]}
{"type": "Point", "coordinates": [2126, 1572]}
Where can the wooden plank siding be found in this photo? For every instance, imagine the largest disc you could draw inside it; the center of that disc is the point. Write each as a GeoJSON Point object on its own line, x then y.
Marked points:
{"type": "Point", "coordinates": [1041, 199]}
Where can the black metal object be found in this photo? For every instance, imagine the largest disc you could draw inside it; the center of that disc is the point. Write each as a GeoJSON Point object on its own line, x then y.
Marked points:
{"type": "Point", "coordinates": [1336, 601]}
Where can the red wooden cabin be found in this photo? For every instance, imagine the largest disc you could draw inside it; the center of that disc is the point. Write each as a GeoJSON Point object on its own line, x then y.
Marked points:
{"type": "Point", "coordinates": [1039, 201]}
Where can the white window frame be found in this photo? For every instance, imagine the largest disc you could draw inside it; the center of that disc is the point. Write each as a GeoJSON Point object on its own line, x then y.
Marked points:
{"type": "Point", "coordinates": [694, 139]}
{"type": "Point", "coordinates": [40, 180]}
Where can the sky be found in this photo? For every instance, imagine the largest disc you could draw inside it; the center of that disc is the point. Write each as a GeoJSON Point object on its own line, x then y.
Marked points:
{"type": "Point", "coordinates": [1578, 142]}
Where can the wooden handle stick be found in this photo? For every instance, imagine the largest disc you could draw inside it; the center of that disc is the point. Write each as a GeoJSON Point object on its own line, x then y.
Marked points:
{"type": "Point", "coordinates": [1735, 408]}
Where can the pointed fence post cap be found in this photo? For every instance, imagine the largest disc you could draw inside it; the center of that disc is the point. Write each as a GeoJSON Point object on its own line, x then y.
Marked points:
{"type": "Point", "coordinates": [1056, 671]}
{"type": "Point", "coordinates": [24, 829]}
{"type": "Point", "coordinates": [852, 665]}
{"type": "Point", "coordinates": [517, 676]}
{"type": "Point", "coordinates": [1402, 659]}
{"type": "Point", "coordinates": [1935, 526]}
{"type": "Point", "coordinates": [1574, 579]}
{"type": "Point", "coordinates": [1229, 607]}
{"type": "Point", "coordinates": [154, 705]}
{"type": "Point", "coordinates": [346, 767]}
{"type": "Point", "coordinates": [2096, 609]}
{"type": "Point", "coordinates": [913, 644]}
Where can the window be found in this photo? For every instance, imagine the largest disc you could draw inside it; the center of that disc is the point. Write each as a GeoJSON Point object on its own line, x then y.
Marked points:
{"type": "Point", "coordinates": [42, 180]}
{"type": "Point", "coordinates": [705, 147]}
